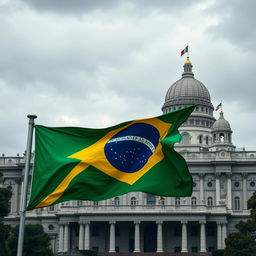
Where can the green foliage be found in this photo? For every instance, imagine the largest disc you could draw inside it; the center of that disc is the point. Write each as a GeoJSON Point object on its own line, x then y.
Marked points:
{"type": "Point", "coordinates": [5, 196]}
{"type": "Point", "coordinates": [218, 252]}
{"type": "Point", "coordinates": [4, 232]}
{"type": "Point", "coordinates": [243, 243]}
{"type": "Point", "coordinates": [36, 242]}
{"type": "Point", "coordinates": [89, 252]}
{"type": "Point", "coordinates": [239, 244]}
{"type": "Point", "coordinates": [251, 203]}
{"type": "Point", "coordinates": [246, 227]}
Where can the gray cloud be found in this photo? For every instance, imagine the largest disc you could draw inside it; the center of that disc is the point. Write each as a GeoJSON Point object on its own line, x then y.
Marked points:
{"type": "Point", "coordinates": [84, 6]}
{"type": "Point", "coordinates": [109, 64]}
{"type": "Point", "coordinates": [236, 22]}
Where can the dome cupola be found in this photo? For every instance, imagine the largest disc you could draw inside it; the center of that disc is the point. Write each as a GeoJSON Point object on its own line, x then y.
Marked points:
{"type": "Point", "coordinates": [222, 134]}
{"type": "Point", "coordinates": [221, 124]}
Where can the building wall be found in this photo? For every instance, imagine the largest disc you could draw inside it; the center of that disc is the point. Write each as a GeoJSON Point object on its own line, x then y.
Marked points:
{"type": "Point", "coordinates": [239, 166]}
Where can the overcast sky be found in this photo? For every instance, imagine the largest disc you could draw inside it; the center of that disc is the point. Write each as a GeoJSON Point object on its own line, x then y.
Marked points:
{"type": "Point", "coordinates": [100, 62]}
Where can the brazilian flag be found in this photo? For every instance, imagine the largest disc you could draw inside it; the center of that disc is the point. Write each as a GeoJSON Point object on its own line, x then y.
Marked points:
{"type": "Point", "coordinates": [95, 164]}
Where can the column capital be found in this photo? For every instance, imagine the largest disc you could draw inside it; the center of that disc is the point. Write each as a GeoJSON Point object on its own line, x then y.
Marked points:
{"type": "Point", "coordinates": [136, 222]}
{"type": "Point", "coordinates": [202, 221]}
{"type": "Point", "coordinates": [201, 175]}
{"type": "Point", "coordinates": [244, 175]}
{"type": "Point", "coordinates": [63, 223]}
{"type": "Point", "coordinates": [228, 174]}
{"type": "Point", "coordinates": [217, 174]}
{"type": "Point", "coordinates": [184, 222]}
{"type": "Point", "coordinates": [84, 222]}
{"type": "Point", "coordinates": [112, 222]}
{"type": "Point", "coordinates": [159, 222]}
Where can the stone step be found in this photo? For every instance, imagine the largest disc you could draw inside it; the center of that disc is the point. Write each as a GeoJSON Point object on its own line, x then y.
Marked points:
{"type": "Point", "coordinates": [152, 254]}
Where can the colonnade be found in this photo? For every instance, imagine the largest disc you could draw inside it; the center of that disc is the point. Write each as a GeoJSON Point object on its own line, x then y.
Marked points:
{"type": "Point", "coordinates": [84, 236]}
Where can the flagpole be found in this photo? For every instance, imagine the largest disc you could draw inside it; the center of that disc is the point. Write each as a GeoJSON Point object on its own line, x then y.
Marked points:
{"type": "Point", "coordinates": [25, 185]}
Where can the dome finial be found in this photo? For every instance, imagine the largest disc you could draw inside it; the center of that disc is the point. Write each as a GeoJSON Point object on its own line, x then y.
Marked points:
{"type": "Point", "coordinates": [187, 68]}
{"type": "Point", "coordinates": [188, 62]}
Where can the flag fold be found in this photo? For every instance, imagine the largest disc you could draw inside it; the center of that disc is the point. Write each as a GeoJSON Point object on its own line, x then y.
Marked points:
{"type": "Point", "coordinates": [95, 164]}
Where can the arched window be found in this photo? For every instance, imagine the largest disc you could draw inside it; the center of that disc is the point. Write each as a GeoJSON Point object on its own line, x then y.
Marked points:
{"type": "Point", "coordinates": [193, 201]}
{"type": "Point", "coordinates": [162, 200]}
{"type": "Point", "coordinates": [200, 139]}
{"type": "Point", "coordinates": [95, 203]}
{"type": "Point", "coordinates": [237, 203]}
{"type": "Point", "coordinates": [177, 201]}
{"type": "Point", "coordinates": [185, 138]}
{"type": "Point", "coordinates": [79, 203]}
{"type": "Point", "coordinates": [210, 201]}
{"type": "Point", "coordinates": [51, 208]}
{"type": "Point", "coordinates": [116, 201]}
{"type": "Point", "coordinates": [222, 137]}
{"type": "Point", "coordinates": [214, 137]}
{"type": "Point", "coordinates": [151, 199]}
{"type": "Point", "coordinates": [207, 140]}
{"type": "Point", "coordinates": [133, 201]}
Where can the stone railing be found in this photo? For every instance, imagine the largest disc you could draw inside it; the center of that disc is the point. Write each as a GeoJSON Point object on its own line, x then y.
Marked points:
{"type": "Point", "coordinates": [143, 209]}
{"type": "Point", "coordinates": [217, 156]}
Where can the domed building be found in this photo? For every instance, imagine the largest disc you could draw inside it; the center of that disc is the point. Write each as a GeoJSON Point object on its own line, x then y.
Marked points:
{"type": "Point", "coordinates": [224, 178]}
{"type": "Point", "coordinates": [197, 131]}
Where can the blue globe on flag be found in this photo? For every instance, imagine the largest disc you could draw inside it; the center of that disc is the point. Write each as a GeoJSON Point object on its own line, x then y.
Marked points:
{"type": "Point", "coordinates": [130, 149]}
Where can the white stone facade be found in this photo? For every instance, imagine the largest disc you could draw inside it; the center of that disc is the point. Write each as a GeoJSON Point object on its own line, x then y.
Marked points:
{"type": "Point", "coordinates": [224, 179]}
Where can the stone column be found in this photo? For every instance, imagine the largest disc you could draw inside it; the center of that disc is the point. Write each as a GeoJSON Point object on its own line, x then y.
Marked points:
{"type": "Point", "coordinates": [159, 236]}
{"type": "Point", "coordinates": [81, 236]}
{"type": "Point", "coordinates": [66, 238]}
{"type": "Point", "coordinates": [137, 236]}
{"type": "Point", "coordinates": [224, 234]}
{"type": "Point", "coordinates": [217, 176]}
{"type": "Point", "coordinates": [201, 187]}
{"type": "Point", "coordinates": [61, 237]}
{"type": "Point", "coordinates": [219, 236]}
{"type": "Point", "coordinates": [202, 236]}
{"type": "Point", "coordinates": [244, 175]}
{"type": "Point", "coordinates": [87, 236]}
{"type": "Point", "coordinates": [184, 239]}
{"type": "Point", "coordinates": [53, 242]}
{"type": "Point", "coordinates": [112, 237]}
{"type": "Point", "coordinates": [229, 191]}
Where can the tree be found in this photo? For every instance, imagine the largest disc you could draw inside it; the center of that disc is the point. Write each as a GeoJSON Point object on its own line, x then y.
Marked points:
{"type": "Point", "coordinates": [243, 243]}
{"type": "Point", "coordinates": [36, 241]}
{"type": "Point", "coordinates": [5, 196]}
{"type": "Point", "coordinates": [239, 244]}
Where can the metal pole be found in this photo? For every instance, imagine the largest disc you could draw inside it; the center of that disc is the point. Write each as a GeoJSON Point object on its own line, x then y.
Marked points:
{"type": "Point", "coordinates": [25, 185]}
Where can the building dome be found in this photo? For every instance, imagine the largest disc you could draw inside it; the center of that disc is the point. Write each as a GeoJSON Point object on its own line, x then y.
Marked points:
{"type": "Point", "coordinates": [221, 124]}
{"type": "Point", "coordinates": [188, 90]}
